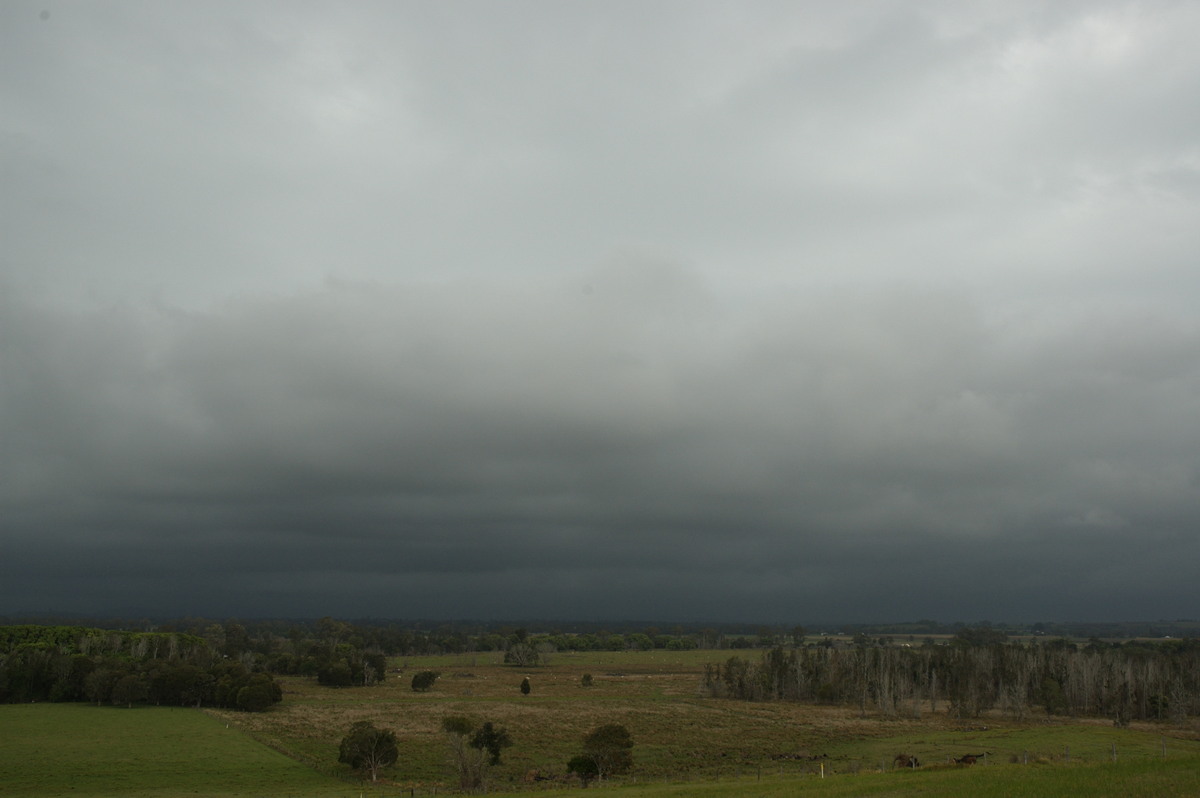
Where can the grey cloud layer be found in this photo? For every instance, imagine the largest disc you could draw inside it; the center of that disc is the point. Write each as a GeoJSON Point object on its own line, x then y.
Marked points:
{"type": "Point", "coordinates": [673, 310]}
{"type": "Point", "coordinates": [639, 425]}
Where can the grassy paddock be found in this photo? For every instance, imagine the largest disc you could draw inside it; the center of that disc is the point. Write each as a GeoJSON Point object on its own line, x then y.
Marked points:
{"type": "Point", "coordinates": [685, 744]}
{"type": "Point", "coordinates": [679, 735]}
{"type": "Point", "coordinates": [83, 750]}
{"type": "Point", "coordinates": [1172, 779]}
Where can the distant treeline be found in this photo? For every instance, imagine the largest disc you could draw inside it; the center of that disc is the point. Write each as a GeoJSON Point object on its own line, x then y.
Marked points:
{"type": "Point", "coordinates": [1121, 630]}
{"type": "Point", "coordinates": [340, 653]}
{"type": "Point", "coordinates": [978, 672]}
{"type": "Point", "coordinates": [417, 636]}
{"type": "Point", "coordinates": [102, 666]}
{"type": "Point", "coordinates": [299, 647]}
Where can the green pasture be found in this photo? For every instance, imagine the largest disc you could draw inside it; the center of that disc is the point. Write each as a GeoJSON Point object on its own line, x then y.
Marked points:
{"type": "Point", "coordinates": [83, 750]}
{"type": "Point", "coordinates": [1170, 779]}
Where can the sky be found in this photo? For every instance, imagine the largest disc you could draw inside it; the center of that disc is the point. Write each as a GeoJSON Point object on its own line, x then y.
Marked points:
{"type": "Point", "coordinates": [784, 312]}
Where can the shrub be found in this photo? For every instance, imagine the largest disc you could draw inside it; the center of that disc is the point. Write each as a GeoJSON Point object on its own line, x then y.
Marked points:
{"type": "Point", "coordinates": [424, 680]}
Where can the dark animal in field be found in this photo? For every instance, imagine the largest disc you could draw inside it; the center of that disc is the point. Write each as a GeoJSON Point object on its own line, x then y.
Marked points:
{"type": "Point", "coordinates": [906, 761]}
{"type": "Point", "coordinates": [969, 759]}
{"type": "Point", "coordinates": [801, 757]}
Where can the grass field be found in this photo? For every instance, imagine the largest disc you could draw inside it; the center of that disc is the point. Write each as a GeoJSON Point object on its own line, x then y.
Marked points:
{"type": "Point", "coordinates": [79, 749]}
{"type": "Point", "coordinates": [685, 744]}
{"type": "Point", "coordinates": [1179, 779]}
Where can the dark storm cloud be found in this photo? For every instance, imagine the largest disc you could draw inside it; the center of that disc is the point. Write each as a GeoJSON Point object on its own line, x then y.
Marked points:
{"type": "Point", "coordinates": [769, 311]}
{"type": "Point", "coordinates": [485, 445]}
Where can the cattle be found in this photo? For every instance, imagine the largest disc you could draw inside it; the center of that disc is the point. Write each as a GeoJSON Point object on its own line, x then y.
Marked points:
{"type": "Point", "coordinates": [969, 759]}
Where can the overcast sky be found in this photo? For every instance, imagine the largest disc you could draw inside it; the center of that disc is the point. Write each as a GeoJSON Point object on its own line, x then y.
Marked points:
{"type": "Point", "coordinates": [780, 312]}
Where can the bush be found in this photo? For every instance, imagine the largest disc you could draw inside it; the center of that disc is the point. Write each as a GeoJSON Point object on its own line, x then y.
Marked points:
{"type": "Point", "coordinates": [259, 694]}
{"type": "Point", "coordinates": [584, 767]}
{"type": "Point", "coordinates": [424, 680]}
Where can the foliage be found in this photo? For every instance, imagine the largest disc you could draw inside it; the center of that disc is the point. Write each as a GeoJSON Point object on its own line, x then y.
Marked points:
{"type": "Point", "coordinates": [493, 739]}
{"type": "Point", "coordinates": [102, 642]}
{"type": "Point", "coordinates": [258, 693]}
{"type": "Point", "coordinates": [458, 725]}
{"type": "Point", "coordinates": [368, 749]}
{"type": "Point", "coordinates": [344, 665]}
{"type": "Point", "coordinates": [523, 655]}
{"type": "Point", "coordinates": [125, 668]}
{"type": "Point", "coordinates": [423, 680]}
{"type": "Point", "coordinates": [974, 675]}
{"type": "Point", "coordinates": [473, 750]}
{"type": "Point", "coordinates": [610, 747]}
{"type": "Point", "coordinates": [584, 767]}
{"type": "Point", "coordinates": [468, 761]}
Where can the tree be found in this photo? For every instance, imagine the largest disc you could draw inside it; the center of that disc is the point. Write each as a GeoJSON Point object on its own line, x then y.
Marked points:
{"type": "Point", "coordinates": [335, 673]}
{"type": "Point", "coordinates": [493, 739]}
{"type": "Point", "coordinates": [639, 640]}
{"type": "Point", "coordinates": [523, 655]}
{"type": "Point", "coordinates": [368, 749]}
{"type": "Point", "coordinates": [130, 689]}
{"type": "Point", "coordinates": [98, 685]}
{"type": "Point", "coordinates": [610, 747]}
{"type": "Point", "coordinates": [473, 750]}
{"type": "Point", "coordinates": [467, 759]}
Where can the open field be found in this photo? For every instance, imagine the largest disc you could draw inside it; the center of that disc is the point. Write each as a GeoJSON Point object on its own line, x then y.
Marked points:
{"type": "Point", "coordinates": [79, 749]}
{"type": "Point", "coordinates": [679, 735]}
{"type": "Point", "coordinates": [1178, 779]}
{"type": "Point", "coordinates": [685, 744]}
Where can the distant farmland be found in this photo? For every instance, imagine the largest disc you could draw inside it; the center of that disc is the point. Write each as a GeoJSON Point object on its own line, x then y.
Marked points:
{"type": "Point", "coordinates": [686, 742]}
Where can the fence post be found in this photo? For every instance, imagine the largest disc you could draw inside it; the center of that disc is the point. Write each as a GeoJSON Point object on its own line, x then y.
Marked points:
{"type": "Point", "coordinates": [1114, 752]}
